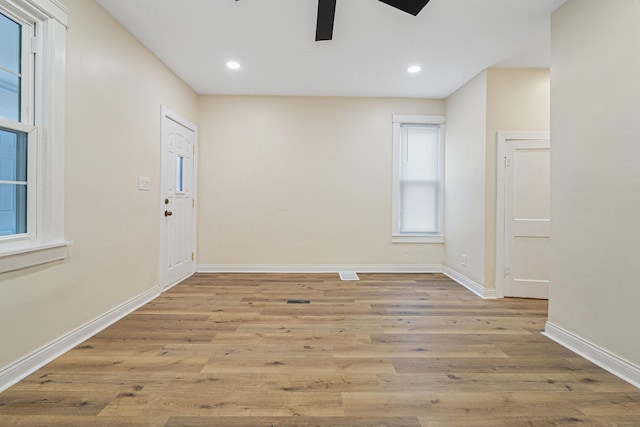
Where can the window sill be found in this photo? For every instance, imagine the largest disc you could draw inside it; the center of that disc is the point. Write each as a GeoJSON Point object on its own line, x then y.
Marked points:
{"type": "Point", "coordinates": [30, 256]}
{"type": "Point", "coordinates": [417, 239]}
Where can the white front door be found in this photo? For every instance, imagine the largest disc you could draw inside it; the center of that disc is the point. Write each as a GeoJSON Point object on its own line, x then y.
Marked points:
{"type": "Point", "coordinates": [526, 218]}
{"type": "Point", "coordinates": [177, 205]}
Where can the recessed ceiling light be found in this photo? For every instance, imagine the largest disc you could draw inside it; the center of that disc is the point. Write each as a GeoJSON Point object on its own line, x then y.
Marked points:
{"type": "Point", "coordinates": [414, 69]}
{"type": "Point", "coordinates": [233, 65]}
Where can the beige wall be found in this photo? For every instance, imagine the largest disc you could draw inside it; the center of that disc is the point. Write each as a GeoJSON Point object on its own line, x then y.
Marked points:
{"type": "Point", "coordinates": [595, 261]}
{"type": "Point", "coordinates": [114, 91]}
{"type": "Point", "coordinates": [465, 178]}
{"type": "Point", "coordinates": [297, 180]}
{"type": "Point", "coordinates": [518, 99]}
{"type": "Point", "coordinates": [498, 99]}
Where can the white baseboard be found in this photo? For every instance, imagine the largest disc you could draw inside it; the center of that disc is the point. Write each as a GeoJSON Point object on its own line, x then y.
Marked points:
{"type": "Point", "coordinates": [36, 360]}
{"type": "Point", "coordinates": [318, 268]}
{"type": "Point", "coordinates": [473, 286]}
{"type": "Point", "coordinates": [177, 282]}
{"type": "Point", "coordinates": [594, 353]}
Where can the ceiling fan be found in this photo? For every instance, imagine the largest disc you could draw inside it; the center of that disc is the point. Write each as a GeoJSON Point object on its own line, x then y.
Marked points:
{"type": "Point", "coordinates": [327, 12]}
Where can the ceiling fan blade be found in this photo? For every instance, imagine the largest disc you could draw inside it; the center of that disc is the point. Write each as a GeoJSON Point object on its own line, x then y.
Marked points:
{"type": "Point", "coordinates": [326, 16]}
{"type": "Point", "coordinates": [410, 6]}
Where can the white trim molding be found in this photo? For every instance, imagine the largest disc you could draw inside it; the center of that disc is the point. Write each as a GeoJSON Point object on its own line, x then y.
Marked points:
{"type": "Point", "coordinates": [417, 239]}
{"type": "Point", "coordinates": [36, 360]}
{"type": "Point", "coordinates": [51, 8]}
{"type": "Point", "coordinates": [468, 283]}
{"type": "Point", "coordinates": [318, 268]}
{"type": "Point", "coordinates": [32, 256]}
{"type": "Point", "coordinates": [459, 278]}
{"type": "Point", "coordinates": [594, 353]}
{"type": "Point", "coordinates": [421, 119]}
{"type": "Point", "coordinates": [170, 114]}
{"type": "Point", "coordinates": [177, 282]}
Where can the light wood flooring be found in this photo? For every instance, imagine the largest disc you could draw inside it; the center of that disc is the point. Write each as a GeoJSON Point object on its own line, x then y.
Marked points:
{"type": "Point", "coordinates": [388, 350]}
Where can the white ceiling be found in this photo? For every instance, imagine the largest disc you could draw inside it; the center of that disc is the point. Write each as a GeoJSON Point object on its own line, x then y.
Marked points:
{"type": "Point", "coordinates": [372, 46]}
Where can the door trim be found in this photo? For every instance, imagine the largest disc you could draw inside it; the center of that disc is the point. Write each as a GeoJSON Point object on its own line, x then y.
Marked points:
{"type": "Point", "coordinates": [167, 113]}
{"type": "Point", "coordinates": [503, 138]}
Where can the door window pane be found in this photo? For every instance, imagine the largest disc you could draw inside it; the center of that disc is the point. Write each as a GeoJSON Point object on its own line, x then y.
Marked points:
{"type": "Point", "coordinates": [13, 182]}
{"type": "Point", "coordinates": [180, 175]}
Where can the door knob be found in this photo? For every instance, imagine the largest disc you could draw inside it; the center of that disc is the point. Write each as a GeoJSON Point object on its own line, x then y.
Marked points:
{"type": "Point", "coordinates": [168, 213]}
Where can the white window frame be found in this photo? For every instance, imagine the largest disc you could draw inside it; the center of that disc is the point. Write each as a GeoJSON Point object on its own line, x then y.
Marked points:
{"type": "Point", "coordinates": [43, 119]}
{"type": "Point", "coordinates": [396, 235]}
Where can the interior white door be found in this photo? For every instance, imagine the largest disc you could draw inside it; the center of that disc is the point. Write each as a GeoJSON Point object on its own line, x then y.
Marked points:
{"type": "Point", "coordinates": [177, 207]}
{"type": "Point", "coordinates": [527, 218]}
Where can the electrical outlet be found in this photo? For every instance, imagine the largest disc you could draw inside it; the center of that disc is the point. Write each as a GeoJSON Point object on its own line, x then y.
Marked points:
{"type": "Point", "coordinates": [463, 261]}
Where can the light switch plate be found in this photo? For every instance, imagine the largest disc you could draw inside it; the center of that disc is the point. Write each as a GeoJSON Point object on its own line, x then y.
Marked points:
{"type": "Point", "coordinates": [143, 183]}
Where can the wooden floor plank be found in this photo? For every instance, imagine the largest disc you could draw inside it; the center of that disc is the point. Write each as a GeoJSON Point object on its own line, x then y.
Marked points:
{"type": "Point", "coordinates": [299, 421]}
{"type": "Point", "coordinates": [409, 350]}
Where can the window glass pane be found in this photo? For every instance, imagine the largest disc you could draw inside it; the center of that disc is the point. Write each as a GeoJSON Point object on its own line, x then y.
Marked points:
{"type": "Point", "coordinates": [420, 152]}
{"type": "Point", "coordinates": [13, 156]}
{"type": "Point", "coordinates": [13, 182]}
{"type": "Point", "coordinates": [419, 207]}
{"type": "Point", "coordinates": [10, 46]}
{"type": "Point", "coordinates": [9, 96]}
{"type": "Point", "coordinates": [419, 179]}
{"type": "Point", "coordinates": [180, 175]}
{"type": "Point", "coordinates": [13, 209]}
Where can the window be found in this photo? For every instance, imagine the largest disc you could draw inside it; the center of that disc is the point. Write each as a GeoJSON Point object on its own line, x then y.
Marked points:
{"type": "Point", "coordinates": [32, 75]}
{"type": "Point", "coordinates": [417, 179]}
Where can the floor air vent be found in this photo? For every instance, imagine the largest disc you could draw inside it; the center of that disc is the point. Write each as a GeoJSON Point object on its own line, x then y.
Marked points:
{"type": "Point", "coordinates": [298, 301]}
{"type": "Point", "coordinates": [348, 275]}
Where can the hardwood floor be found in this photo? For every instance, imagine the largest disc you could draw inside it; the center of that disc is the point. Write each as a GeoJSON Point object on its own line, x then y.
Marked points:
{"type": "Point", "coordinates": [388, 350]}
